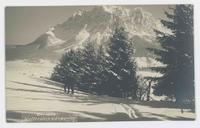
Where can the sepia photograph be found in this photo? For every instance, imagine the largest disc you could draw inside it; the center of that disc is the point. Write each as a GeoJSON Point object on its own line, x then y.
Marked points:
{"type": "Point", "coordinates": [99, 63]}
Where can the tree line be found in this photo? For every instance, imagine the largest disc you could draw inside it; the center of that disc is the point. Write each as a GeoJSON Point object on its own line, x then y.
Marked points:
{"type": "Point", "coordinates": [102, 70]}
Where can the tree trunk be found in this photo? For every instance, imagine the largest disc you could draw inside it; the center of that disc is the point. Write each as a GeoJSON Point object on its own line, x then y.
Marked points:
{"type": "Point", "coordinates": [149, 91]}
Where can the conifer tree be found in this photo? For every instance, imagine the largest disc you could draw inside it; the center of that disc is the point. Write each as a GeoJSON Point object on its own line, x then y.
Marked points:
{"type": "Point", "coordinates": [122, 80]}
{"type": "Point", "coordinates": [177, 54]}
{"type": "Point", "coordinates": [94, 65]}
{"type": "Point", "coordinates": [67, 71]}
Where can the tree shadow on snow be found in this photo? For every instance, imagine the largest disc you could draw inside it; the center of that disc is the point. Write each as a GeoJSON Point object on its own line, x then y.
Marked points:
{"type": "Point", "coordinates": [54, 90]}
{"type": "Point", "coordinates": [78, 116]}
{"type": "Point", "coordinates": [34, 85]}
{"type": "Point", "coordinates": [119, 116]}
{"type": "Point", "coordinates": [95, 99]}
{"type": "Point", "coordinates": [176, 118]}
{"type": "Point", "coordinates": [50, 82]}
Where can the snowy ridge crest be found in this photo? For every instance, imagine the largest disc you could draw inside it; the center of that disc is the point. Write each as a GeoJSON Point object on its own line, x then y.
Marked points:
{"type": "Point", "coordinates": [52, 40]}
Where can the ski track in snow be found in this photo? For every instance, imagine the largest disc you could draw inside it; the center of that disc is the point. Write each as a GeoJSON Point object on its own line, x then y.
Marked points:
{"type": "Point", "coordinates": [31, 97]}
{"type": "Point", "coordinates": [130, 111]}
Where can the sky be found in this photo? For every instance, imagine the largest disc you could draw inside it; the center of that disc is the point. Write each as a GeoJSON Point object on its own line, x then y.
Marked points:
{"type": "Point", "coordinates": [24, 24]}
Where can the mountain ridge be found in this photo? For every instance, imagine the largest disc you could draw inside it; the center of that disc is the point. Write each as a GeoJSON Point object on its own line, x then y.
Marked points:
{"type": "Point", "coordinates": [97, 26]}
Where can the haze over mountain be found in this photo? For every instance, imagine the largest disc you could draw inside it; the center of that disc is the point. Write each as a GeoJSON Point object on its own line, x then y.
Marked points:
{"type": "Point", "coordinates": [96, 26]}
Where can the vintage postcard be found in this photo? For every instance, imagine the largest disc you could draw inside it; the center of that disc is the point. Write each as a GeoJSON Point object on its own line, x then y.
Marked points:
{"type": "Point", "coordinates": [99, 63]}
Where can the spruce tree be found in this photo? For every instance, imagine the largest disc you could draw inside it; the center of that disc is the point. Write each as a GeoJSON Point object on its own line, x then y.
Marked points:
{"type": "Point", "coordinates": [122, 78]}
{"type": "Point", "coordinates": [177, 54]}
{"type": "Point", "coordinates": [94, 66]}
{"type": "Point", "coordinates": [67, 71]}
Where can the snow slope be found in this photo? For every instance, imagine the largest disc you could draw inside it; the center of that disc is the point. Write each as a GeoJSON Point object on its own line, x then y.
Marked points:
{"type": "Point", "coordinates": [31, 97]}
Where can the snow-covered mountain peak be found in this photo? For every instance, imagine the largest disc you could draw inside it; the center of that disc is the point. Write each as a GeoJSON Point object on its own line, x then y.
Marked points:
{"type": "Point", "coordinates": [50, 31]}
{"type": "Point", "coordinates": [78, 13]}
{"type": "Point", "coordinates": [52, 40]}
{"type": "Point", "coordinates": [111, 9]}
{"type": "Point", "coordinates": [48, 39]}
{"type": "Point", "coordinates": [137, 22]}
{"type": "Point", "coordinates": [116, 10]}
{"type": "Point", "coordinates": [98, 25]}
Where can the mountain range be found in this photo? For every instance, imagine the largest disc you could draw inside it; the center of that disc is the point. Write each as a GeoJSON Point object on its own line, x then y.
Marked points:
{"type": "Point", "coordinates": [96, 25]}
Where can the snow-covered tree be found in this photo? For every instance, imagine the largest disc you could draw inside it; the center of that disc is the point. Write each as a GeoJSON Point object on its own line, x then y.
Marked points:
{"type": "Point", "coordinates": [84, 68]}
{"type": "Point", "coordinates": [67, 71]}
{"type": "Point", "coordinates": [100, 70]}
{"type": "Point", "coordinates": [123, 81]}
{"type": "Point", "coordinates": [93, 65]}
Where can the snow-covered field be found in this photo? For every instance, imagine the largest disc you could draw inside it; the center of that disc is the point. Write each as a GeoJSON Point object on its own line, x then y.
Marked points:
{"type": "Point", "coordinates": [31, 97]}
